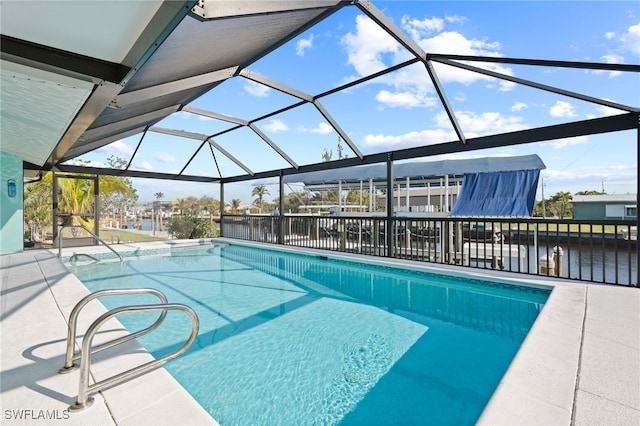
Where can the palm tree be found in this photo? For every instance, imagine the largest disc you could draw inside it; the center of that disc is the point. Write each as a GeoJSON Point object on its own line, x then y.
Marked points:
{"type": "Point", "coordinates": [235, 203]}
{"type": "Point", "coordinates": [180, 204]}
{"type": "Point", "coordinates": [260, 191]}
{"type": "Point", "coordinates": [159, 196]}
{"type": "Point", "coordinates": [562, 198]}
{"type": "Point", "coordinates": [211, 205]}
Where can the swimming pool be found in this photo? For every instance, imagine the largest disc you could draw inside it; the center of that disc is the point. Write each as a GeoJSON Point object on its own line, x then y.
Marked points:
{"type": "Point", "coordinates": [293, 339]}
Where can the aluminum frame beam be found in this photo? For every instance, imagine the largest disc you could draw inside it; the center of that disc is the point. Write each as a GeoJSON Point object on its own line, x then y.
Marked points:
{"type": "Point", "coordinates": [69, 168]}
{"type": "Point", "coordinates": [538, 62]}
{"type": "Point", "coordinates": [445, 102]}
{"type": "Point", "coordinates": [215, 115]}
{"type": "Point", "coordinates": [149, 93]}
{"type": "Point", "coordinates": [305, 97]}
{"type": "Point", "coordinates": [401, 37]}
{"type": "Point", "coordinates": [539, 86]}
{"type": "Point", "coordinates": [337, 128]}
{"type": "Point", "coordinates": [273, 145]}
{"type": "Point", "coordinates": [203, 138]}
{"type": "Point", "coordinates": [253, 76]}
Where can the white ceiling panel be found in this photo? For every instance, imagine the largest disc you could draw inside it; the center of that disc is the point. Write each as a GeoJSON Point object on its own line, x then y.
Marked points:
{"type": "Point", "coordinates": [32, 125]}
{"type": "Point", "coordinates": [100, 29]}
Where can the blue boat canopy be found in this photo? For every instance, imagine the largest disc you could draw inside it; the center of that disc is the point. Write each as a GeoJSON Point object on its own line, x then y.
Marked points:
{"type": "Point", "coordinates": [497, 194]}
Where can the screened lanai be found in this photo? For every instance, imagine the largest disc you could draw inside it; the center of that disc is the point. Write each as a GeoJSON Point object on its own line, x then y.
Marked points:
{"type": "Point", "coordinates": [76, 87]}
{"type": "Point", "coordinates": [224, 93]}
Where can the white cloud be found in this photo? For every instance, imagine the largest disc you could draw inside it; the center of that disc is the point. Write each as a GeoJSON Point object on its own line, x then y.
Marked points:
{"type": "Point", "coordinates": [613, 178]}
{"type": "Point", "coordinates": [322, 129]}
{"type": "Point", "coordinates": [421, 138]}
{"type": "Point", "coordinates": [370, 49]}
{"type": "Point", "coordinates": [562, 109]}
{"type": "Point", "coordinates": [628, 41]}
{"type": "Point", "coordinates": [611, 59]}
{"type": "Point", "coordinates": [406, 99]}
{"type": "Point", "coordinates": [631, 39]}
{"type": "Point", "coordinates": [566, 142]}
{"type": "Point", "coordinates": [276, 126]}
{"type": "Point", "coordinates": [145, 165]}
{"type": "Point", "coordinates": [605, 111]}
{"type": "Point", "coordinates": [473, 124]}
{"type": "Point", "coordinates": [418, 28]}
{"type": "Point", "coordinates": [165, 158]}
{"type": "Point", "coordinates": [304, 44]}
{"type": "Point", "coordinates": [256, 89]}
{"type": "Point", "coordinates": [518, 106]}
{"type": "Point", "coordinates": [117, 148]}
{"type": "Point", "coordinates": [455, 19]}
{"type": "Point", "coordinates": [366, 48]}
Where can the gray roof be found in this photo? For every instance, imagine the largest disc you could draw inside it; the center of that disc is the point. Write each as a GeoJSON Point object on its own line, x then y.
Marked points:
{"type": "Point", "coordinates": [420, 170]}
{"type": "Point", "coordinates": [632, 198]}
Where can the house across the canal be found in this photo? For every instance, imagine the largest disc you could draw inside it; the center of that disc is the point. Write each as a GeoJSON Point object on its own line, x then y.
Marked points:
{"type": "Point", "coordinates": [607, 206]}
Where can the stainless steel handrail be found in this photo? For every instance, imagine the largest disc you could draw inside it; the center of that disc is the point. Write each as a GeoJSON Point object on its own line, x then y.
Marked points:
{"type": "Point", "coordinates": [77, 255]}
{"type": "Point", "coordinates": [91, 233]}
{"type": "Point", "coordinates": [84, 389]}
{"type": "Point", "coordinates": [73, 320]}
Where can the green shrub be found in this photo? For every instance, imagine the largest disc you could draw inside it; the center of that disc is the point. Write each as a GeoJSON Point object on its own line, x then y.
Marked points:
{"type": "Point", "coordinates": [183, 226]}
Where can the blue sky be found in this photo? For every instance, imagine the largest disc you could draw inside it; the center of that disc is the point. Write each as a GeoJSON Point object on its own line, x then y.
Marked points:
{"type": "Point", "coordinates": [402, 110]}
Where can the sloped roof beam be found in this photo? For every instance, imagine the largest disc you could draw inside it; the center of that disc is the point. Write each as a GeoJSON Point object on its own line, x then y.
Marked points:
{"type": "Point", "coordinates": [75, 152]}
{"type": "Point", "coordinates": [130, 98]}
{"type": "Point", "coordinates": [230, 157]}
{"type": "Point", "coordinates": [253, 76]}
{"type": "Point", "coordinates": [305, 97]}
{"type": "Point", "coordinates": [215, 115]}
{"type": "Point", "coordinates": [391, 28]}
{"type": "Point", "coordinates": [445, 102]}
{"type": "Point", "coordinates": [139, 122]}
{"type": "Point", "coordinates": [540, 62]}
{"type": "Point", "coordinates": [68, 168]}
{"type": "Point", "coordinates": [540, 86]}
{"type": "Point", "coordinates": [201, 137]}
{"type": "Point", "coordinates": [273, 145]}
{"type": "Point", "coordinates": [180, 133]}
{"type": "Point", "coordinates": [192, 157]}
{"type": "Point", "coordinates": [135, 151]}
{"type": "Point", "coordinates": [337, 128]}
{"type": "Point", "coordinates": [401, 37]}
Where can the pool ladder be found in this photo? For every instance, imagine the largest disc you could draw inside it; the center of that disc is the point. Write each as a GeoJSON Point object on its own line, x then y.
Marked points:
{"type": "Point", "coordinates": [95, 237]}
{"type": "Point", "coordinates": [84, 355]}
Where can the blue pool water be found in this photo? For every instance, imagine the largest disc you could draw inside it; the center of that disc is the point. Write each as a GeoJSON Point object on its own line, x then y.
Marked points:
{"type": "Point", "coordinates": [287, 339]}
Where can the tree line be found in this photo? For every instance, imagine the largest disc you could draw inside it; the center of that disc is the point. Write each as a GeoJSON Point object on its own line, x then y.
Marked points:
{"type": "Point", "coordinates": [559, 205]}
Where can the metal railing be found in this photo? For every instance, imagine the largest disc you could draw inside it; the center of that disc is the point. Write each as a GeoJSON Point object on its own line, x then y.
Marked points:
{"type": "Point", "coordinates": [85, 389]}
{"type": "Point", "coordinates": [95, 237]}
{"type": "Point", "coordinates": [597, 251]}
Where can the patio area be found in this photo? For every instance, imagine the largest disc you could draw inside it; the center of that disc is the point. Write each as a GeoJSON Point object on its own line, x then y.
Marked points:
{"type": "Point", "coordinates": [579, 364]}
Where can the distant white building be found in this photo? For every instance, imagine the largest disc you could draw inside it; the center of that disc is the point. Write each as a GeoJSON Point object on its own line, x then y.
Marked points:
{"type": "Point", "coordinates": [607, 206]}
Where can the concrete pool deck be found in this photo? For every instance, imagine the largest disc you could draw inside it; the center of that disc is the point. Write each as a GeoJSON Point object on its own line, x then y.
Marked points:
{"type": "Point", "coordinates": [580, 363]}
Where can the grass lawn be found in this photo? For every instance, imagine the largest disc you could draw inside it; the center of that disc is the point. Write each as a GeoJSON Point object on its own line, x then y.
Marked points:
{"type": "Point", "coordinates": [125, 236]}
